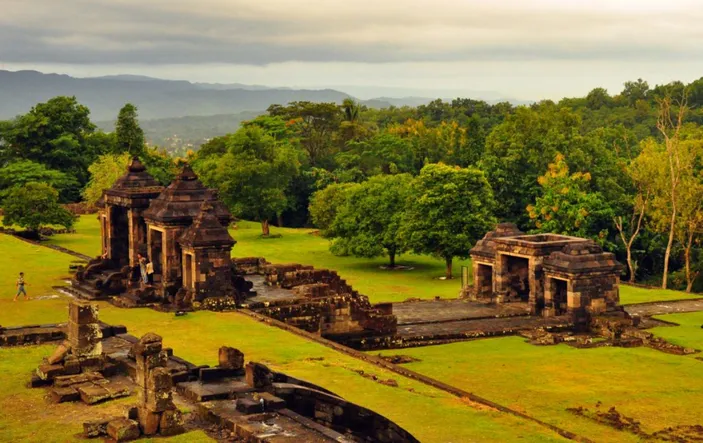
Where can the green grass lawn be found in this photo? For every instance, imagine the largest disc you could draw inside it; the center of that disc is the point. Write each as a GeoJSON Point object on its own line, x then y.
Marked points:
{"type": "Point", "coordinates": [634, 294]}
{"type": "Point", "coordinates": [43, 268]}
{"type": "Point", "coordinates": [689, 333]}
{"type": "Point", "coordinates": [85, 240]}
{"type": "Point", "coordinates": [658, 389]}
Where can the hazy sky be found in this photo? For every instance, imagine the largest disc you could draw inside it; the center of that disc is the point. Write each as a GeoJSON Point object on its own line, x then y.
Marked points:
{"type": "Point", "coordinates": [521, 48]}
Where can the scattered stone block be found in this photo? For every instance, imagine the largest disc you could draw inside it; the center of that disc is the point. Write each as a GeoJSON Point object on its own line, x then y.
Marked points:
{"type": "Point", "coordinates": [92, 393]}
{"type": "Point", "coordinates": [49, 372]}
{"type": "Point", "coordinates": [61, 395]}
{"type": "Point", "coordinates": [248, 405]}
{"type": "Point", "coordinates": [171, 423]}
{"type": "Point", "coordinates": [271, 402]}
{"type": "Point", "coordinates": [258, 376]}
{"type": "Point", "coordinates": [59, 353]}
{"type": "Point", "coordinates": [231, 358]}
{"type": "Point", "coordinates": [71, 365]}
{"type": "Point", "coordinates": [95, 428]}
{"type": "Point", "coordinates": [123, 429]}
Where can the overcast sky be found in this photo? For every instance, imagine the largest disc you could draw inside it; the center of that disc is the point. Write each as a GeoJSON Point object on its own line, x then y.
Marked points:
{"type": "Point", "coordinates": [525, 49]}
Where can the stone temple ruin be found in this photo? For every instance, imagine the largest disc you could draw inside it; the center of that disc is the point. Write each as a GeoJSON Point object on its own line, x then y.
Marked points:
{"type": "Point", "coordinates": [555, 274]}
{"type": "Point", "coordinates": [233, 401]}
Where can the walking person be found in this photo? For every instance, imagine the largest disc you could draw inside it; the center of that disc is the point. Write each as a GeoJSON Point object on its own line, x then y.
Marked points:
{"type": "Point", "coordinates": [142, 268]}
{"type": "Point", "coordinates": [20, 287]}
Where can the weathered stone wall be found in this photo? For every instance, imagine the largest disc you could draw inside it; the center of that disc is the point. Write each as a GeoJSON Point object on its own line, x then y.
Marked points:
{"type": "Point", "coordinates": [214, 273]}
{"type": "Point", "coordinates": [330, 305]}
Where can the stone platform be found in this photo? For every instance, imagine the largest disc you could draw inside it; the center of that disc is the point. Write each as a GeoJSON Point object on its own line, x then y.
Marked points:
{"type": "Point", "coordinates": [434, 311]}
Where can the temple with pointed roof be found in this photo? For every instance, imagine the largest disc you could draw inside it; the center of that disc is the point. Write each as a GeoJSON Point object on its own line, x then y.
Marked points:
{"type": "Point", "coordinates": [181, 230]}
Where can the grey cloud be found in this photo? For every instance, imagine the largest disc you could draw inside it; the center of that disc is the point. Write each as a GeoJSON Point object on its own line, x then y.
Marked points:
{"type": "Point", "coordinates": [218, 31]}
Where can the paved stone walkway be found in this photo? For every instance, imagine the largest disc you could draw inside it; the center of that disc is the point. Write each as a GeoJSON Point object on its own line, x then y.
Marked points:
{"type": "Point", "coordinates": [660, 308]}
{"type": "Point", "coordinates": [478, 328]}
{"type": "Point", "coordinates": [433, 311]}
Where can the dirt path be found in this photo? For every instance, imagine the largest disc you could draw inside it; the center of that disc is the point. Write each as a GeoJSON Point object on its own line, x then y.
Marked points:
{"type": "Point", "coordinates": [665, 307]}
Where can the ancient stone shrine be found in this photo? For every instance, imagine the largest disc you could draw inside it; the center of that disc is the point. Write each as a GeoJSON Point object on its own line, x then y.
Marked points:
{"type": "Point", "coordinates": [206, 256]}
{"type": "Point", "coordinates": [181, 230]}
{"type": "Point", "coordinates": [122, 225]}
{"type": "Point", "coordinates": [167, 218]}
{"type": "Point", "coordinates": [555, 274]}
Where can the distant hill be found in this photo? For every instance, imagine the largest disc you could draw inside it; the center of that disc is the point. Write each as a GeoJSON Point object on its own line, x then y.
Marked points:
{"type": "Point", "coordinates": [155, 98]}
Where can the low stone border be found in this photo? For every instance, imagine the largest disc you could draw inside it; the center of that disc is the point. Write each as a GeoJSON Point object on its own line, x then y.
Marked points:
{"type": "Point", "coordinates": [409, 374]}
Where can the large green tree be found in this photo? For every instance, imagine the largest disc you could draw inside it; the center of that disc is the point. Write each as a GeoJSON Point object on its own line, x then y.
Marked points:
{"type": "Point", "coordinates": [450, 209]}
{"type": "Point", "coordinates": [21, 172]}
{"type": "Point", "coordinates": [566, 206]}
{"type": "Point", "coordinates": [368, 223]}
{"type": "Point", "coordinates": [325, 203]}
{"type": "Point", "coordinates": [130, 136]}
{"type": "Point", "coordinates": [33, 206]}
{"type": "Point", "coordinates": [252, 176]}
{"type": "Point", "coordinates": [54, 134]}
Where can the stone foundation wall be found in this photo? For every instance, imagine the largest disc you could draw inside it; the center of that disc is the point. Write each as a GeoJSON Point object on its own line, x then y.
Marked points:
{"type": "Point", "coordinates": [326, 303]}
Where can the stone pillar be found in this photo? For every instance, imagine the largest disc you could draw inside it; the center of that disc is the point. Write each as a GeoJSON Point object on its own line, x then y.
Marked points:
{"type": "Point", "coordinates": [171, 274]}
{"type": "Point", "coordinates": [536, 287]}
{"type": "Point", "coordinates": [156, 411]}
{"type": "Point", "coordinates": [84, 333]}
{"type": "Point", "coordinates": [549, 291]}
{"type": "Point", "coordinates": [501, 279]}
{"type": "Point", "coordinates": [137, 236]}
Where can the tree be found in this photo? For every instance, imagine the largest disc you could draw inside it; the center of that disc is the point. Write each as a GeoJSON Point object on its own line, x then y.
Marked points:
{"type": "Point", "coordinates": [314, 124]}
{"type": "Point", "coordinates": [368, 223]}
{"type": "Point", "coordinates": [520, 149]}
{"type": "Point", "coordinates": [690, 223]}
{"type": "Point", "coordinates": [450, 209]}
{"type": "Point", "coordinates": [35, 205]}
{"type": "Point", "coordinates": [325, 203]}
{"type": "Point", "coordinates": [642, 171]}
{"type": "Point", "coordinates": [253, 175]}
{"type": "Point", "coordinates": [565, 205]}
{"type": "Point", "coordinates": [54, 134]}
{"type": "Point", "coordinates": [103, 174]}
{"type": "Point", "coordinates": [21, 172]}
{"type": "Point", "coordinates": [130, 137]}
{"type": "Point", "coordinates": [669, 123]}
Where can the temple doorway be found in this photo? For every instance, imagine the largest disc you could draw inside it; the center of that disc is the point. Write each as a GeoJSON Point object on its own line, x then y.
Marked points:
{"type": "Point", "coordinates": [156, 252]}
{"type": "Point", "coordinates": [518, 270]}
{"type": "Point", "coordinates": [119, 235]}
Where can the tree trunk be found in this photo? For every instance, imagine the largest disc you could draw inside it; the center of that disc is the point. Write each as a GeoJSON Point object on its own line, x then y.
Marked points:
{"type": "Point", "coordinates": [665, 277]}
{"type": "Point", "coordinates": [391, 256]}
{"type": "Point", "coordinates": [280, 220]}
{"type": "Point", "coordinates": [448, 272]}
{"type": "Point", "coordinates": [265, 227]}
{"type": "Point", "coordinates": [629, 263]}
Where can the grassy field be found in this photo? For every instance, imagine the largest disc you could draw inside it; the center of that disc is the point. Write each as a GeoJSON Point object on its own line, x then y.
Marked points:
{"type": "Point", "coordinates": [430, 414]}
{"type": "Point", "coordinates": [657, 389]}
{"type": "Point", "coordinates": [85, 240]}
{"type": "Point", "coordinates": [689, 333]}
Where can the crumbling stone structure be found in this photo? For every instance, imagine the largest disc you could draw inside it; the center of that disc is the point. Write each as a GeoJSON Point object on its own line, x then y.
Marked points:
{"type": "Point", "coordinates": [169, 215]}
{"type": "Point", "coordinates": [319, 301]}
{"type": "Point", "coordinates": [555, 274]}
{"type": "Point", "coordinates": [182, 229]}
{"type": "Point", "coordinates": [156, 411]}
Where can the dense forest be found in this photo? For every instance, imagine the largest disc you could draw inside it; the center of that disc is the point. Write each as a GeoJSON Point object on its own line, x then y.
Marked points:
{"type": "Point", "coordinates": [624, 170]}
